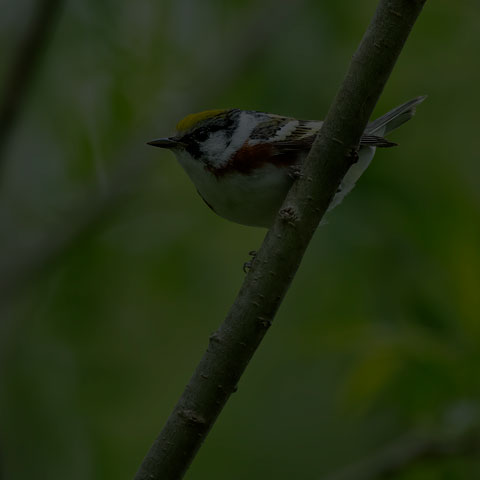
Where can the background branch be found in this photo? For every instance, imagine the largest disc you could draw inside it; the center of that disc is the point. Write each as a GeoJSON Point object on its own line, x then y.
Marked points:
{"type": "Point", "coordinates": [24, 67]}
{"type": "Point", "coordinates": [232, 346]}
{"type": "Point", "coordinates": [85, 217]}
{"type": "Point", "coordinates": [410, 450]}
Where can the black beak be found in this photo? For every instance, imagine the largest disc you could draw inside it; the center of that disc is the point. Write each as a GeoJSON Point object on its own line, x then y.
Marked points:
{"type": "Point", "coordinates": [164, 143]}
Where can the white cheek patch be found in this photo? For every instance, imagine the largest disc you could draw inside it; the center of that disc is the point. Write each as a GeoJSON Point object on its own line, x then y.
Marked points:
{"type": "Point", "coordinates": [215, 144]}
{"type": "Point", "coordinates": [246, 123]}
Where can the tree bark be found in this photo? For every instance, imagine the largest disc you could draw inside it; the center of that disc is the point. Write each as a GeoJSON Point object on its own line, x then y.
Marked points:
{"type": "Point", "coordinates": [333, 152]}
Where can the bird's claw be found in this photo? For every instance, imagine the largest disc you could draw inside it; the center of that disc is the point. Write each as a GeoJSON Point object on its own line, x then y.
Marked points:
{"type": "Point", "coordinates": [248, 265]}
{"type": "Point", "coordinates": [295, 172]}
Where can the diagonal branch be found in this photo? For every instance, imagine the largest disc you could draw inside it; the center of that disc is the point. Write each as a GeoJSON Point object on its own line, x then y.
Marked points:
{"type": "Point", "coordinates": [233, 345]}
{"type": "Point", "coordinates": [24, 67]}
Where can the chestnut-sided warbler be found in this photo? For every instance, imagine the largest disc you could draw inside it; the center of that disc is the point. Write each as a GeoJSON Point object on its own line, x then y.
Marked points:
{"type": "Point", "coordinates": [242, 162]}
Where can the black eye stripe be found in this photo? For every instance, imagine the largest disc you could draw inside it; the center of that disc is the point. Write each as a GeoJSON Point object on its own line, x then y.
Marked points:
{"type": "Point", "coordinates": [192, 148]}
{"type": "Point", "coordinates": [201, 134]}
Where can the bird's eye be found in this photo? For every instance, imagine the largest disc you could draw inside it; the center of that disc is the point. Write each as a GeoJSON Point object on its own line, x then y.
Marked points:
{"type": "Point", "coordinates": [201, 135]}
{"type": "Point", "coordinates": [197, 136]}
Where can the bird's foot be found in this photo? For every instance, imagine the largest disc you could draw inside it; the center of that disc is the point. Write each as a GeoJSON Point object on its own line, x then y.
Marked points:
{"type": "Point", "coordinates": [248, 265]}
{"type": "Point", "coordinates": [295, 171]}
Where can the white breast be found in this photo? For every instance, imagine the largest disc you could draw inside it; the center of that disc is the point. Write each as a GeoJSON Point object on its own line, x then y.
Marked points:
{"type": "Point", "coordinates": [252, 199]}
{"type": "Point", "coordinates": [255, 199]}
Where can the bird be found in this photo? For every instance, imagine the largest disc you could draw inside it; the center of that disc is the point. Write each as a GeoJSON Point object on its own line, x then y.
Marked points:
{"type": "Point", "coordinates": [243, 162]}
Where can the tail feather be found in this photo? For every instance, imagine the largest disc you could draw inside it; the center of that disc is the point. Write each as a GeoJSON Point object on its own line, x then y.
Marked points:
{"type": "Point", "coordinates": [393, 119]}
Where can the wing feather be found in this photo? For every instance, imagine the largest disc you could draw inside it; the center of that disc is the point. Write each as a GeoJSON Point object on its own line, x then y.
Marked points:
{"type": "Point", "coordinates": [281, 141]}
{"type": "Point", "coordinates": [302, 137]}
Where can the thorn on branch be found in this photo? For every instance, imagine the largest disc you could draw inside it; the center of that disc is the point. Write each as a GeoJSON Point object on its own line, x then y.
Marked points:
{"type": "Point", "coordinates": [248, 265]}
{"type": "Point", "coordinates": [289, 215]}
{"type": "Point", "coordinates": [192, 417]}
{"type": "Point", "coordinates": [264, 322]}
{"type": "Point", "coordinates": [353, 155]}
{"type": "Point", "coordinates": [214, 337]}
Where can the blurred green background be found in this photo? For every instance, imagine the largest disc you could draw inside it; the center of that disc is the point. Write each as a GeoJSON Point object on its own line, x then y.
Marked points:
{"type": "Point", "coordinates": [114, 272]}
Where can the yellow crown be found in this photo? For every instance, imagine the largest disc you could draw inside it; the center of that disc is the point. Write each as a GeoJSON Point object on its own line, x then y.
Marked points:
{"type": "Point", "coordinates": [191, 120]}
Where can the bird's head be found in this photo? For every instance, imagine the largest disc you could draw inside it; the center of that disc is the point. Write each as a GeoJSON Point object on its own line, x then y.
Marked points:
{"type": "Point", "coordinates": [203, 134]}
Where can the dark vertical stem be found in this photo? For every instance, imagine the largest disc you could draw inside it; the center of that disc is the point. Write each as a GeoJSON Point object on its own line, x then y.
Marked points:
{"type": "Point", "coordinates": [24, 67]}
